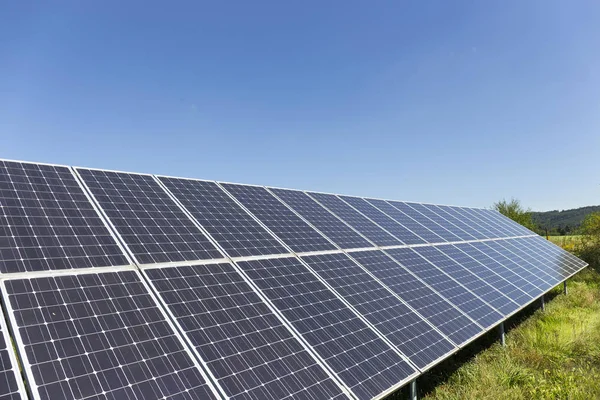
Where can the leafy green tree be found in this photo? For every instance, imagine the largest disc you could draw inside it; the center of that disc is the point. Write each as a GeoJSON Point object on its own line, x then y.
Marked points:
{"type": "Point", "coordinates": [589, 241]}
{"type": "Point", "coordinates": [515, 211]}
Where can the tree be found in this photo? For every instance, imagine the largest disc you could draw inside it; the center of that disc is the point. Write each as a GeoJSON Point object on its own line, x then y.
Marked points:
{"type": "Point", "coordinates": [589, 241]}
{"type": "Point", "coordinates": [515, 211]}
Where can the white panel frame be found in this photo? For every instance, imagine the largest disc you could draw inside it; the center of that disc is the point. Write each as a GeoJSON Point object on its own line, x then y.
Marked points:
{"type": "Point", "coordinates": [11, 348]}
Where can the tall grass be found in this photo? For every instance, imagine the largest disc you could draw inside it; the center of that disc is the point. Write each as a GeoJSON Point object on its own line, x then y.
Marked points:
{"type": "Point", "coordinates": [551, 355]}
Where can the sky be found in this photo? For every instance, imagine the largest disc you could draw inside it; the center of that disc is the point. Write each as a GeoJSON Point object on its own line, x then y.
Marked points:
{"type": "Point", "coordinates": [451, 102]}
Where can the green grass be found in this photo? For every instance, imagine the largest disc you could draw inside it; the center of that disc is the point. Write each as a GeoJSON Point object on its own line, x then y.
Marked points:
{"type": "Point", "coordinates": [550, 355]}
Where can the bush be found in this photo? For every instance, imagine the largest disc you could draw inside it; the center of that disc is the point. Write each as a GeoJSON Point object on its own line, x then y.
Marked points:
{"type": "Point", "coordinates": [588, 246]}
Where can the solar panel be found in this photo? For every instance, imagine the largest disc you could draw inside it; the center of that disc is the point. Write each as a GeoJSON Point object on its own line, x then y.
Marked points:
{"type": "Point", "coordinates": [550, 248]}
{"type": "Point", "coordinates": [410, 223]}
{"type": "Point", "coordinates": [11, 383]}
{"type": "Point", "coordinates": [477, 268]}
{"type": "Point", "coordinates": [506, 230]}
{"type": "Point", "coordinates": [150, 223]}
{"type": "Point", "coordinates": [359, 357]}
{"type": "Point", "coordinates": [412, 335]}
{"type": "Point", "coordinates": [466, 229]}
{"type": "Point", "coordinates": [286, 225]}
{"type": "Point", "coordinates": [331, 226]}
{"type": "Point", "coordinates": [451, 231]}
{"type": "Point", "coordinates": [438, 311]}
{"type": "Point", "coordinates": [493, 230]}
{"type": "Point", "coordinates": [48, 223]}
{"type": "Point", "coordinates": [246, 348]}
{"type": "Point", "coordinates": [446, 286]}
{"type": "Point", "coordinates": [355, 219]}
{"type": "Point", "coordinates": [510, 261]}
{"type": "Point", "coordinates": [466, 221]}
{"type": "Point", "coordinates": [223, 218]}
{"type": "Point", "coordinates": [99, 336]}
{"type": "Point", "coordinates": [415, 211]}
{"type": "Point", "coordinates": [549, 271]}
{"type": "Point", "coordinates": [518, 228]}
{"type": "Point", "coordinates": [500, 269]}
{"type": "Point", "coordinates": [459, 272]}
{"type": "Point", "coordinates": [399, 231]}
{"type": "Point", "coordinates": [562, 266]}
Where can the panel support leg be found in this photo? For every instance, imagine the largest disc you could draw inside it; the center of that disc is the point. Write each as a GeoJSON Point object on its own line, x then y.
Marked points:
{"type": "Point", "coordinates": [501, 332]}
{"type": "Point", "coordinates": [543, 303]}
{"type": "Point", "coordinates": [565, 287]}
{"type": "Point", "coordinates": [413, 389]}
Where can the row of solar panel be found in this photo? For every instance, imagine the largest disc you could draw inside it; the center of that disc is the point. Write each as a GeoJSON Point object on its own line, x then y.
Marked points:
{"type": "Point", "coordinates": [48, 222]}
{"type": "Point", "coordinates": [103, 334]}
{"type": "Point", "coordinates": [266, 328]}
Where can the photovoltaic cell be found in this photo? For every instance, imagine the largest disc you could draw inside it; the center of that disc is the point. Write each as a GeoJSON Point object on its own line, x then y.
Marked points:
{"type": "Point", "coordinates": [246, 348]}
{"type": "Point", "coordinates": [494, 280]}
{"type": "Point", "coordinates": [550, 248]}
{"type": "Point", "coordinates": [513, 263]}
{"type": "Point", "coordinates": [467, 222]}
{"type": "Point", "coordinates": [152, 225]}
{"type": "Point", "coordinates": [549, 271]}
{"type": "Point", "coordinates": [459, 226]}
{"type": "Point", "coordinates": [460, 273]}
{"type": "Point", "coordinates": [360, 358]}
{"type": "Point", "coordinates": [535, 265]}
{"type": "Point", "coordinates": [414, 337]}
{"type": "Point", "coordinates": [48, 223]}
{"type": "Point", "coordinates": [100, 336]}
{"type": "Point", "coordinates": [494, 265]}
{"type": "Point", "coordinates": [449, 288]}
{"type": "Point", "coordinates": [331, 226]}
{"type": "Point", "coordinates": [492, 230]}
{"type": "Point", "coordinates": [227, 222]}
{"type": "Point", "coordinates": [410, 223]}
{"type": "Point", "coordinates": [11, 387]}
{"type": "Point", "coordinates": [506, 230]}
{"type": "Point", "coordinates": [358, 221]}
{"type": "Point", "coordinates": [286, 225]}
{"type": "Point", "coordinates": [439, 312]}
{"type": "Point", "coordinates": [561, 266]}
{"type": "Point", "coordinates": [399, 231]}
{"type": "Point", "coordinates": [449, 230]}
{"type": "Point", "coordinates": [416, 212]}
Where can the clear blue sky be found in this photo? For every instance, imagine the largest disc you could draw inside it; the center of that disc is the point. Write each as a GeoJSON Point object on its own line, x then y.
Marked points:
{"type": "Point", "coordinates": [438, 101]}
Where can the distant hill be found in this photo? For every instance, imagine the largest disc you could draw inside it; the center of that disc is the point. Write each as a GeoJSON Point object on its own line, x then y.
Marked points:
{"type": "Point", "coordinates": [562, 222]}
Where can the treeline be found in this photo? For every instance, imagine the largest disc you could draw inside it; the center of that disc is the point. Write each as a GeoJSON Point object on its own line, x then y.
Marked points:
{"type": "Point", "coordinates": [565, 222]}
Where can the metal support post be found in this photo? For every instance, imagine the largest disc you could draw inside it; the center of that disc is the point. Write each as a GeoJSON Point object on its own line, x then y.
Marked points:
{"type": "Point", "coordinates": [543, 303]}
{"type": "Point", "coordinates": [565, 287]}
{"type": "Point", "coordinates": [501, 330]}
{"type": "Point", "coordinates": [413, 389]}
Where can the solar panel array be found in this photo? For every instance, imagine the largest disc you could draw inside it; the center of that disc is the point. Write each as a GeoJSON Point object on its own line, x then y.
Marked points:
{"type": "Point", "coordinates": [120, 285]}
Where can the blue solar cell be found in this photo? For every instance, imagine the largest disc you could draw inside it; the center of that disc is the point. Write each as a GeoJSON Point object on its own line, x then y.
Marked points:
{"type": "Point", "coordinates": [438, 311]}
{"type": "Point", "coordinates": [100, 336]}
{"type": "Point", "coordinates": [464, 224]}
{"type": "Point", "coordinates": [549, 271]}
{"type": "Point", "coordinates": [355, 219]}
{"type": "Point", "coordinates": [151, 224]}
{"type": "Point", "coordinates": [491, 261]}
{"type": "Point", "coordinates": [238, 234]}
{"type": "Point", "coordinates": [441, 257]}
{"type": "Point", "coordinates": [360, 358]}
{"type": "Point", "coordinates": [244, 345]}
{"type": "Point", "coordinates": [286, 225]}
{"type": "Point", "coordinates": [399, 231]}
{"type": "Point", "coordinates": [414, 337]}
{"type": "Point", "coordinates": [410, 223]}
{"type": "Point", "coordinates": [447, 287]}
{"type": "Point", "coordinates": [445, 228]}
{"type": "Point", "coordinates": [48, 223]}
{"type": "Point", "coordinates": [487, 275]}
{"type": "Point", "coordinates": [492, 230]}
{"type": "Point", "coordinates": [416, 212]}
{"type": "Point", "coordinates": [11, 383]}
{"type": "Point", "coordinates": [327, 223]}
{"type": "Point", "coordinates": [514, 263]}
